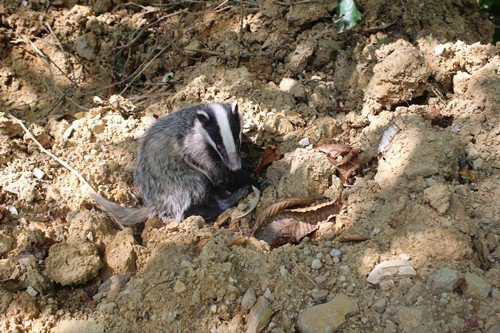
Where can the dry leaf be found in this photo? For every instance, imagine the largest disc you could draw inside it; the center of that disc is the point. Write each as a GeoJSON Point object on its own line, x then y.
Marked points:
{"type": "Point", "coordinates": [238, 240]}
{"type": "Point", "coordinates": [253, 203]}
{"type": "Point", "coordinates": [313, 208]}
{"type": "Point", "coordinates": [353, 235]}
{"type": "Point", "coordinates": [223, 218]}
{"type": "Point", "coordinates": [278, 207]}
{"type": "Point", "coordinates": [285, 231]}
{"type": "Point", "coordinates": [347, 166]}
{"type": "Point", "coordinates": [269, 155]}
{"type": "Point", "coordinates": [333, 150]}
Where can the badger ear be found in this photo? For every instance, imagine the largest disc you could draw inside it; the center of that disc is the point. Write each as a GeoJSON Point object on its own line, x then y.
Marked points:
{"type": "Point", "coordinates": [234, 107]}
{"type": "Point", "coordinates": [202, 117]}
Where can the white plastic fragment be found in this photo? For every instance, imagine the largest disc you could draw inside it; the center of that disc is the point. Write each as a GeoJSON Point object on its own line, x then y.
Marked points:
{"type": "Point", "coordinates": [389, 134]}
{"type": "Point", "coordinates": [388, 268]}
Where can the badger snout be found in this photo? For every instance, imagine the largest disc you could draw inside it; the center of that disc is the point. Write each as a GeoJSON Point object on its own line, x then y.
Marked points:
{"type": "Point", "coordinates": [234, 162]}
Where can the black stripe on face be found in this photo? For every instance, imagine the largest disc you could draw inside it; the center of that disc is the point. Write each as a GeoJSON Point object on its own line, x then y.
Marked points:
{"type": "Point", "coordinates": [235, 125]}
{"type": "Point", "coordinates": [213, 130]}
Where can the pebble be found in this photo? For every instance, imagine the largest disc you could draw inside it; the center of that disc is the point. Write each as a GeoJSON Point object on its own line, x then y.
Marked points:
{"type": "Point", "coordinates": [39, 174]}
{"type": "Point", "coordinates": [6, 244]}
{"type": "Point", "coordinates": [446, 280]}
{"type": "Point", "coordinates": [316, 264]}
{"type": "Point", "coordinates": [267, 293]}
{"type": "Point", "coordinates": [411, 318]}
{"type": "Point", "coordinates": [388, 268]}
{"type": "Point", "coordinates": [335, 253]}
{"type": "Point", "coordinates": [248, 299]}
{"type": "Point", "coordinates": [179, 287]}
{"type": "Point", "coordinates": [475, 286]}
{"type": "Point", "coordinates": [259, 316]}
{"type": "Point", "coordinates": [478, 163]}
{"type": "Point", "coordinates": [31, 291]}
{"type": "Point", "coordinates": [12, 210]}
{"type": "Point", "coordinates": [327, 317]}
{"type": "Point", "coordinates": [376, 231]}
{"type": "Point", "coordinates": [319, 294]}
{"type": "Point", "coordinates": [304, 142]}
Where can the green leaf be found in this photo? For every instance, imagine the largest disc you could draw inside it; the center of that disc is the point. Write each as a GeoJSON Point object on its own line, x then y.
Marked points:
{"type": "Point", "coordinates": [349, 15]}
{"type": "Point", "coordinates": [167, 77]}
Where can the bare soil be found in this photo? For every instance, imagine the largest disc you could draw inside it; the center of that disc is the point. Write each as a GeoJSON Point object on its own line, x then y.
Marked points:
{"type": "Point", "coordinates": [88, 79]}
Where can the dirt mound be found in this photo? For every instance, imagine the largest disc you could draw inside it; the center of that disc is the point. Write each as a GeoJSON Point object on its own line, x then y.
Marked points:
{"type": "Point", "coordinates": [412, 90]}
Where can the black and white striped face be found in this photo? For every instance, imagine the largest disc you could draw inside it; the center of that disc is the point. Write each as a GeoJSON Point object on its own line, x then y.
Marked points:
{"type": "Point", "coordinates": [220, 126]}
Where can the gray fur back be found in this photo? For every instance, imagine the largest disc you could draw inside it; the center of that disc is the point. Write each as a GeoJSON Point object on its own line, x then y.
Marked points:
{"type": "Point", "coordinates": [173, 171]}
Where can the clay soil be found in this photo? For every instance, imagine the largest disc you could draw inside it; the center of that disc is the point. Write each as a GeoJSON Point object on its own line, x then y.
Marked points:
{"type": "Point", "coordinates": [88, 79]}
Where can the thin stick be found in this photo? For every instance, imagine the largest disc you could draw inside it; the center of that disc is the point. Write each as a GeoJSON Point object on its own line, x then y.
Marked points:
{"type": "Point", "coordinates": [63, 163]}
{"type": "Point", "coordinates": [380, 27]}
{"type": "Point", "coordinates": [141, 30]}
{"type": "Point", "coordinates": [305, 275]}
{"type": "Point", "coordinates": [240, 35]}
{"type": "Point", "coordinates": [70, 65]}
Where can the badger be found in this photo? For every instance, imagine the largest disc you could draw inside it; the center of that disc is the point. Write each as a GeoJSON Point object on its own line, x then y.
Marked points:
{"type": "Point", "coordinates": [188, 163]}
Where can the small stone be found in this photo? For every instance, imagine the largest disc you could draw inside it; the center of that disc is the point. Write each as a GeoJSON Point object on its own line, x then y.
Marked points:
{"type": "Point", "coordinates": [472, 153]}
{"type": "Point", "coordinates": [32, 292]}
{"type": "Point", "coordinates": [438, 197]}
{"type": "Point", "coordinates": [179, 287]}
{"type": "Point", "coordinates": [379, 305]}
{"type": "Point", "coordinates": [376, 231]}
{"type": "Point", "coordinates": [267, 293]}
{"type": "Point", "coordinates": [412, 318]}
{"type": "Point", "coordinates": [294, 87]}
{"type": "Point", "coordinates": [316, 264]}
{"type": "Point", "coordinates": [475, 286]}
{"type": "Point", "coordinates": [6, 244]}
{"type": "Point", "coordinates": [388, 268]}
{"type": "Point", "coordinates": [327, 317]}
{"type": "Point", "coordinates": [319, 295]}
{"type": "Point", "coordinates": [248, 299]}
{"type": "Point", "coordinates": [335, 253]}
{"type": "Point", "coordinates": [12, 210]}
{"type": "Point", "coordinates": [77, 325]}
{"type": "Point", "coordinates": [304, 142]}
{"type": "Point", "coordinates": [83, 46]}
{"type": "Point", "coordinates": [213, 308]}
{"type": "Point", "coordinates": [259, 316]}
{"type": "Point", "coordinates": [404, 256]}
{"type": "Point", "coordinates": [478, 163]}
{"type": "Point", "coordinates": [446, 280]}
{"type": "Point", "coordinates": [39, 174]}
{"type": "Point", "coordinates": [438, 50]}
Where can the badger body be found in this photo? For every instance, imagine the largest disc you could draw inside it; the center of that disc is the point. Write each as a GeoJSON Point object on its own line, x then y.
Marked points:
{"type": "Point", "coordinates": [188, 163]}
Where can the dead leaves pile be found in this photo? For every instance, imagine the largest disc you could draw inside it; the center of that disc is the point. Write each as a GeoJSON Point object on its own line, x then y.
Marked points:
{"type": "Point", "coordinates": [347, 165]}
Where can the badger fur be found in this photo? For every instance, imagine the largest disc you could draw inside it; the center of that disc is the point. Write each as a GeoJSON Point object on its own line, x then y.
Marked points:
{"type": "Point", "coordinates": [188, 163]}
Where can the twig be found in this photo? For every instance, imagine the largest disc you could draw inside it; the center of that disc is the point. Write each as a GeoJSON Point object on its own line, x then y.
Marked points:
{"type": "Point", "coordinates": [295, 3]}
{"type": "Point", "coordinates": [147, 26]}
{"type": "Point", "coordinates": [305, 275]}
{"type": "Point", "coordinates": [220, 5]}
{"type": "Point", "coordinates": [240, 35]}
{"type": "Point", "coordinates": [60, 161]}
{"type": "Point", "coordinates": [438, 94]}
{"type": "Point", "coordinates": [70, 65]}
{"type": "Point", "coordinates": [206, 52]}
{"type": "Point", "coordinates": [378, 28]}
{"type": "Point", "coordinates": [144, 68]}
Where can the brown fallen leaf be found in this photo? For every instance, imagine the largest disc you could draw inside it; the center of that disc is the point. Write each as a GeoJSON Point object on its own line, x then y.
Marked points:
{"type": "Point", "coordinates": [333, 150]}
{"type": "Point", "coordinates": [278, 207]}
{"type": "Point", "coordinates": [353, 235]}
{"type": "Point", "coordinates": [285, 231]}
{"type": "Point", "coordinates": [347, 166]}
{"type": "Point", "coordinates": [238, 240]}
{"type": "Point", "coordinates": [269, 155]}
{"type": "Point", "coordinates": [438, 119]}
{"type": "Point", "coordinates": [223, 218]}
{"type": "Point", "coordinates": [313, 208]}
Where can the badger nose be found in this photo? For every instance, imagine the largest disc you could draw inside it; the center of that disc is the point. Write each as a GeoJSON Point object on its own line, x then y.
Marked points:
{"type": "Point", "coordinates": [234, 162]}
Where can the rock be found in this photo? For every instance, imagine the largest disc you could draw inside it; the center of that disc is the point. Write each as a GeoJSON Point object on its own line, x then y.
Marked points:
{"type": "Point", "coordinates": [39, 174]}
{"type": "Point", "coordinates": [72, 264]}
{"type": "Point", "coordinates": [179, 287]}
{"type": "Point", "coordinates": [294, 87]}
{"type": "Point", "coordinates": [475, 286]}
{"type": "Point", "coordinates": [112, 285]}
{"type": "Point", "coordinates": [316, 264]}
{"type": "Point", "coordinates": [438, 197]}
{"type": "Point", "coordinates": [304, 142]}
{"type": "Point", "coordinates": [298, 59]}
{"type": "Point", "coordinates": [446, 281]}
{"type": "Point", "coordinates": [23, 306]}
{"type": "Point", "coordinates": [34, 277]}
{"type": "Point", "coordinates": [78, 326]}
{"type": "Point", "coordinates": [336, 253]}
{"type": "Point", "coordinates": [327, 317]}
{"type": "Point", "coordinates": [102, 6]}
{"type": "Point", "coordinates": [412, 318]}
{"type": "Point", "coordinates": [84, 46]}
{"type": "Point", "coordinates": [6, 244]}
{"type": "Point", "coordinates": [259, 316]}
{"type": "Point", "coordinates": [120, 255]}
{"type": "Point", "coordinates": [248, 299]}
{"type": "Point", "coordinates": [388, 268]}
{"type": "Point", "coordinates": [319, 295]}
{"type": "Point", "coordinates": [305, 14]}
{"type": "Point", "coordinates": [8, 269]}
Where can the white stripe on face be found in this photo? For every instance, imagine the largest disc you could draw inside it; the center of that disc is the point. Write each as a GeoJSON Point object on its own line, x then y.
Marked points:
{"type": "Point", "coordinates": [225, 129]}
